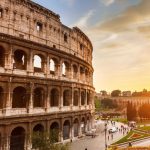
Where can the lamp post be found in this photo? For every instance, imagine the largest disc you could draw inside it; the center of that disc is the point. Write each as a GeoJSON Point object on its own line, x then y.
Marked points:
{"type": "Point", "coordinates": [105, 136]}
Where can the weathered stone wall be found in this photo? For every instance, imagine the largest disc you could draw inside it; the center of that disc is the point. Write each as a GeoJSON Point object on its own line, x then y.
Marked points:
{"type": "Point", "coordinates": [21, 18]}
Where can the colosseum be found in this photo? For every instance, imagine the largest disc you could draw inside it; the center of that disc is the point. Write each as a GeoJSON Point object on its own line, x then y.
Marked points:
{"type": "Point", "coordinates": [46, 76]}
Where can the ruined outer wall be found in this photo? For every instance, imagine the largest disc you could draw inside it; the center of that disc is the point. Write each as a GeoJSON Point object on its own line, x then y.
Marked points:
{"type": "Point", "coordinates": [20, 19]}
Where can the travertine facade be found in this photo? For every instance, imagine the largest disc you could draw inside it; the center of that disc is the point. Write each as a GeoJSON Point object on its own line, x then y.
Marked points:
{"type": "Point", "coordinates": [46, 76]}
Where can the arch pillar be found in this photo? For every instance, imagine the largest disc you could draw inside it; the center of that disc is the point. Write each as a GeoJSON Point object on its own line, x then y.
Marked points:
{"type": "Point", "coordinates": [8, 97]}
{"type": "Point", "coordinates": [61, 98]}
{"type": "Point", "coordinates": [47, 102]}
{"type": "Point", "coordinates": [30, 60]}
{"type": "Point", "coordinates": [30, 106]}
{"type": "Point", "coordinates": [29, 137]}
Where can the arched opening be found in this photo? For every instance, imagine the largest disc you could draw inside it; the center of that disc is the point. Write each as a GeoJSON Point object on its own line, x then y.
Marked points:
{"type": "Point", "coordinates": [76, 98]}
{"type": "Point", "coordinates": [83, 98]}
{"type": "Point", "coordinates": [81, 73]}
{"type": "Point", "coordinates": [2, 56]}
{"type": "Point", "coordinates": [38, 98]}
{"type": "Point", "coordinates": [20, 60]}
{"type": "Point", "coordinates": [88, 123]}
{"type": "Point", "coordinates": [1, 98]}
{"type": "Point", "coordinates": [65, 37]}
{"type": "Point", "coordinates": [86, 75]}
{"type": "Point", "coordinates": [88, 98]}
{"type": "Point", "coordinates": [19, 98]}
{"type": "Point", "coordinates": [83, 125]}
{"type": "Point", "coordinates": [37, 136]}
{"type": "Point", "coordinates": [1, 142]}
{"type": "Point", "coordinates": [54, 101]}
{"type": "Point", "coordinates": [53, 66]}
{"type": "Point", "coordinates": [38, 63]}
{"type": "Point", "coordinates": [54, 132]}
{"type": "Point", "coordinates": [66, 97]}
{"type": "Point", "coordinates": [17, 139]}
{"type": "Point", "coordinates": [75, 71]}
{"type": "Point", "coordinates": [66, 130]}
{"type": "Point", "coordinates": [76, 127]}
{"type": "Point", "coordinates": [65, 69]}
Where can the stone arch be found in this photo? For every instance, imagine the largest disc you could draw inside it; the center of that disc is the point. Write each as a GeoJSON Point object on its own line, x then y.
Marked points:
{"type": "Point", "coordinates": [37, 134]}
{"type": "Point", "coordinates": [66, 97]}
{"type": "Point", "coordinates": [88, 98]}
{"type": "Point", "coordinates": [17, 139]}
{"type": "Point", "coordinates": [53, 65]}
{"type": "Point", "coordinates": [1, 98]}
{"type": "Point", "coordinates": [2, 56]}
{"type": "Point", "coordinates": [82, 73]}
{"type": "Point", "coordinates": [76, 98]}
{"type": "Point", "coordinates": [38, 128]}
{"type": "Point", "coordinates": [83, 98]}
{"type": "Point", "coordinates": [65, 37]}
{"type": "Point", "coordinates": [38, 63]}
{"type": "Point", "coordinates": [54, 132]}
{"type": "Point", "coordinates": [20, 60]}
{"type": "Point", "coordinates": [83, 125]}
{"type": "Point", "coordinates": [54, 97]}
{"type": "Point", "coordinates": [39, 95]}
{"type": "Point", "coordinates": [75, 71]}
{"type": "Point", "coordinates": [66, 130]}
{"type": "Point", "coordinates": [65, 69]}
{"type": "Point", "coordinates": [76, 127]}
{"type": "Point", "coordinates": [19, 99]}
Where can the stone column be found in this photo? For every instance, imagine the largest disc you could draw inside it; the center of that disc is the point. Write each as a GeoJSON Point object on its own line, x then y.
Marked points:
{"type": "Point", "coordinates": [61, 98]}
{"type": "Point", "coordinates": [72, 93]}
{"type": "Point", "coordinates": [86, 98]}
{"type": "Point", "coordinates": [30, 63]}
{"type": "Point", "coordinates": [61, 130]}
{"type": "Point", "coordinates": [60, 69]}
{"type": "Point", "coordinates": [9, 59]}
{"type": "Point", "coordinates": [29, 137]}
{"type": "Point", "coordinates": [47, 106]}
{"type": "Point", "coordinates": [6, 137]}
{"type": "Point", "coordinates": [71, 129]}
{"type": "Point", "coordinates": [79, 98]}
{"type": "Point", "coordinates": [8, 96]}
{"type": "Point", "coordinates": [31, 92]}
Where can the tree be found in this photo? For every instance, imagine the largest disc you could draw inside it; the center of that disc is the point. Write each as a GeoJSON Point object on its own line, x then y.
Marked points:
{"type": "Point", "coordinates": [45, 141]}
{"type": "Point", "coordinates": [109, 103]}
{"type": "Point", "coordinates": [97, 104]}
{"type": "Point", "coordinates": [131, 112]}
{"type": "Point", "coordinates": [115, 93]}
{"type": "Point", "coordinates": [144, 111]}
{"type": "Point", "coordinates": [103, 93]}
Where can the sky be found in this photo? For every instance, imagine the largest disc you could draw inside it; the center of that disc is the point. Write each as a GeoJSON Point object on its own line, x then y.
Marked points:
{"type": "Point", "coordinates": [120, 34]}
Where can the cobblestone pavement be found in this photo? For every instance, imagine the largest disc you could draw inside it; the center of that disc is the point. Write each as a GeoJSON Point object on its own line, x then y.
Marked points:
{"type": "Point", "coordinates": [97, 143]}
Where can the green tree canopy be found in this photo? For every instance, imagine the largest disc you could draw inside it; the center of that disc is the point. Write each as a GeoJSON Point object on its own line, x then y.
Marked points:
{"type": "Point", "coordinates": [115, 93]}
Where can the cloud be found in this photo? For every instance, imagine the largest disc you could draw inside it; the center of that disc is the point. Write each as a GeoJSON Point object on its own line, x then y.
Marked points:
{"type": "Point", "coordinates": [83, 21]}
{"type": "Point", "coordinates": [133, 16]}
{"type": "Point", "coordinates": [107, 2]}
{"type": "Point", "coordinates": [110, 2]}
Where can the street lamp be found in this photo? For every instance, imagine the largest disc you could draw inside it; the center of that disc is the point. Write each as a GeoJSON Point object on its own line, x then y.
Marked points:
{"type": "Point", "coordinates": [105, 136]}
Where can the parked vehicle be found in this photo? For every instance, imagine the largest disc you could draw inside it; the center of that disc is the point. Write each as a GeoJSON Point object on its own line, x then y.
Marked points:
{"type": "Point", "coordinates": [113, 130]}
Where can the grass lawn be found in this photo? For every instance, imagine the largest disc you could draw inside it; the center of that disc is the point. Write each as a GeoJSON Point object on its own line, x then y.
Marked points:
{"type": "Point", "coordinates": [145, 128]}
{"type": "Point", "coordinates": [128, 138]}
{"type": "Point", "coordinates": [123, 120]}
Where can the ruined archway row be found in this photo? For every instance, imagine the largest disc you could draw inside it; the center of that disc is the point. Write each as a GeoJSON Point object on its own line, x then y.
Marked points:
{"type": "Point", "coordinates": [24, 136]}
{"type": "Point", "coordinates": [29, 99]}
{"type": "Point", "coordinates": [37, 63]}
{"type": "Point", "coordinates": [46, 28]}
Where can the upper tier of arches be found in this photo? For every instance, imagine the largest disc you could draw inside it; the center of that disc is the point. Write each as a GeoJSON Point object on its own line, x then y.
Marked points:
{"type": "Point", "coordinates": [34, 25]}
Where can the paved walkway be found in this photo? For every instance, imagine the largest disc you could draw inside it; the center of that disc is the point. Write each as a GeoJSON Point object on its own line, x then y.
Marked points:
{"type": "Point", "coordinates": [97, 143]}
